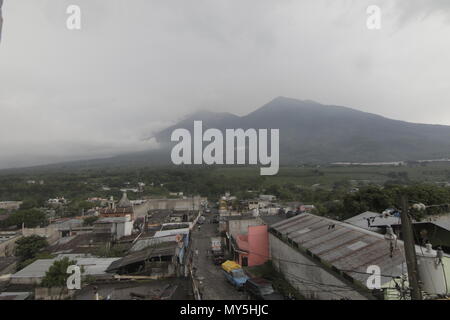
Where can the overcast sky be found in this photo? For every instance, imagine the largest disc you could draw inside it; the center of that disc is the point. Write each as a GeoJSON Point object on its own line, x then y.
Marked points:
{"type": "Point", "coordinates": [136, 66]}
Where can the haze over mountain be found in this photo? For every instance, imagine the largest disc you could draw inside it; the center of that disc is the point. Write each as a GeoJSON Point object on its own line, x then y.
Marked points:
{"type": "Point", "coordinates": [309, 132]}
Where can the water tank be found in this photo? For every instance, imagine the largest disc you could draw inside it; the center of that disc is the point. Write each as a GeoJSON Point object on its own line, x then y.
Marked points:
{"type": "Point", "coordinates": [431, 272]}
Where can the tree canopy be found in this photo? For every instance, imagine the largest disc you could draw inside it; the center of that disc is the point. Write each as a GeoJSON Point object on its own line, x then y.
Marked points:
{"type": "Point", "coordinates": [28, 247]}
{"type": "Point", "coordinates": [30, 218]}
{"type": "Point", "coordinates": [57, 275]}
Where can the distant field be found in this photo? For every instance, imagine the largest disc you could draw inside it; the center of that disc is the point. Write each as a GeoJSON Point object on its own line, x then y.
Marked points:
{"type": "Point", "coordinates": [328, 175]}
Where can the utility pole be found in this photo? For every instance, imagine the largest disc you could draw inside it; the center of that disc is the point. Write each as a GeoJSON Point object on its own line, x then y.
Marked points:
{"type": "Point", "coordinates": [410, 251]}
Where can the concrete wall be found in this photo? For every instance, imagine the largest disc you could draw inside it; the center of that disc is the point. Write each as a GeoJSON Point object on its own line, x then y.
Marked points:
{"type": "Point", "coordinates": [9, 269]}
{"type": "Point", "coordinates": [172, 232]}
{"type": "Point", "coordinates": [269, 211]}
{"type": "Point", "coordinates": [51, 233]}
{"type": "Point", "coordinates": [308, 280]}
{"type": "Point", "coordinates": [240, 226]}
{"type": "Point", "coordinates": [53, 293]}
{"type": "Point", "coordinates": [123, 229]}
{"type": "Point", "coordinates": [258, 245]}
{"type": "Point", "coordinates": [168, 204]}
{"type": "Point", "coordinates": [8, 247]}
{"type": "Point", "coordinates": [144, 243]}
{"type": "Point", "coordinates": [26, 280]}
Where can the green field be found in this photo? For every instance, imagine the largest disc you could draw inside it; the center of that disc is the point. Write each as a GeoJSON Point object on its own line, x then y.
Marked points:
{"type": "Point", "coordinates": [327, 176]}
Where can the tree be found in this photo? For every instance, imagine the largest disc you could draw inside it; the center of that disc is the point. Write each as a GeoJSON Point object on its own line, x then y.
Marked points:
{"type": "Point", "coordinates": [29, 204]}
{"type": "Point", "coordinates": [28, 247]}
{"type": "Point", "coordinates": [57, 275]}
{"type": "Point", "coordinates": [89, 221]}
{"type": "Point", "coordinates": [76, 207]}
{"type": "Point", "coordinates": [30, 218]}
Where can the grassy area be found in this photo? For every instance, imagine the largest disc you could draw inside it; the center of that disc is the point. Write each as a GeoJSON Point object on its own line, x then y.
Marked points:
{"type": "Point", "coordinates": [329, 175]}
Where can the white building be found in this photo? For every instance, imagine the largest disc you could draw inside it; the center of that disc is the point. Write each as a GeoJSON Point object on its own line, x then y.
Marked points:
{"type": "Point", "coordinates": [117, 227]}
{"type": "Point", "coordinates": [35, 272]}
{"type": "Point", "coordinates": [10, 205]}
{"type": "Point", "coordinates": [267, 197]}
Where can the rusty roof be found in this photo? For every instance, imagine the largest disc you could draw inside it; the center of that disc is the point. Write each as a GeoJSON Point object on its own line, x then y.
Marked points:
{"type": "Point", "coordinates": [347, 248]}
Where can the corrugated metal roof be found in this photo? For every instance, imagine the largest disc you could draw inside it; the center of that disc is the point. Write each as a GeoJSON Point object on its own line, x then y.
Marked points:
{"type": "Point", "coordinates": [68, 224]}
{"type": "Point", "coordinates": [378, 220]}
{"type": "Point", "coordinates": [272, 219]}
{"type": "Point", "coordinates": [442, 224]}
{"type": "Point", "coordinates": [112, 220]}
{"type": "Point", "coordinates": [348, 248]}
{"type": "Point", "coordinates": [14, 295]}
{"type": "Point", "coordinates": [92, 266]}
{"type": "Point", "coordinates": [360, 219]}
{"type": "Point", "coordinates": [161, 249]}
{"type": "Point", "coordinates": [381, 220]}
{"type": "Point", "coordinates": [442, 221]}
{"type": "Point", "coordinates": [386, 221]}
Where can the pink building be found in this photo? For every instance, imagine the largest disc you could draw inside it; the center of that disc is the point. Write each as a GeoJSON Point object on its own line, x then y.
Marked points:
{"type": "Point", "coordinates": [253, 247]}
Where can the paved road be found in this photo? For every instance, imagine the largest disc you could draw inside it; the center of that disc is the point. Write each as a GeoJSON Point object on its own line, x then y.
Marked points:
{"type": "Point", "coordinates": [213, 284]}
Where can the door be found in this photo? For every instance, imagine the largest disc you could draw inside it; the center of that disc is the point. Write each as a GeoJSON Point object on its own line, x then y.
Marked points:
{"type": "Point", "coordinates": [244, 261]}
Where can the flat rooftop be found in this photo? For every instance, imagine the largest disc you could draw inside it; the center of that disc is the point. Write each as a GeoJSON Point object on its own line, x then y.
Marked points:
{"type": "Point", "coordinates": [92, 266]}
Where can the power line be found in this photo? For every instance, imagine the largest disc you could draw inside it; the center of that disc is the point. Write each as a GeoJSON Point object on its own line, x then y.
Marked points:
{"type": "Point", "coordinates": [331, 288]}
{"type": "Point", "coordinates": [317, 266]}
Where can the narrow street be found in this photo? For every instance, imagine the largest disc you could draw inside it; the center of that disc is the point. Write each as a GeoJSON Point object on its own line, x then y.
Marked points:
{"type": "Point", "coordinates": [213, 285]}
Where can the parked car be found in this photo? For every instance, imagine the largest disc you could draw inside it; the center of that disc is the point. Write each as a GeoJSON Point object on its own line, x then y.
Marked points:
{"type": "Point", "coordinates": [261, 289]}
{"type": "Point", "coordinates": [217, 251]}
{"type": "Point", "coordinates": [201, 220]}
{"type": "Point", "coordinates": [217, 258]}
{"type": "Point", "coordinates": [215, 220]}
{"type": "Point", "coordinates": [234, 274]}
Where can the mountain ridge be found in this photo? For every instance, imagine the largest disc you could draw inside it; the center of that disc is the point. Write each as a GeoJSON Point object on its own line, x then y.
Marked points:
{"type": "Point", "coordinates": [314, 132]}
{"type": "Point", "coordinates": [310, 132]}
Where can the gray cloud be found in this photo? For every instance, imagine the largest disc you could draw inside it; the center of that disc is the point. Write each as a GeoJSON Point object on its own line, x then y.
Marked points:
{"type": "Point", "coordinates": [1, 19]}
{"type": "Point", "coordinates": [422, 9]}
{"type": "Point", "coordinates": [134, 68]}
